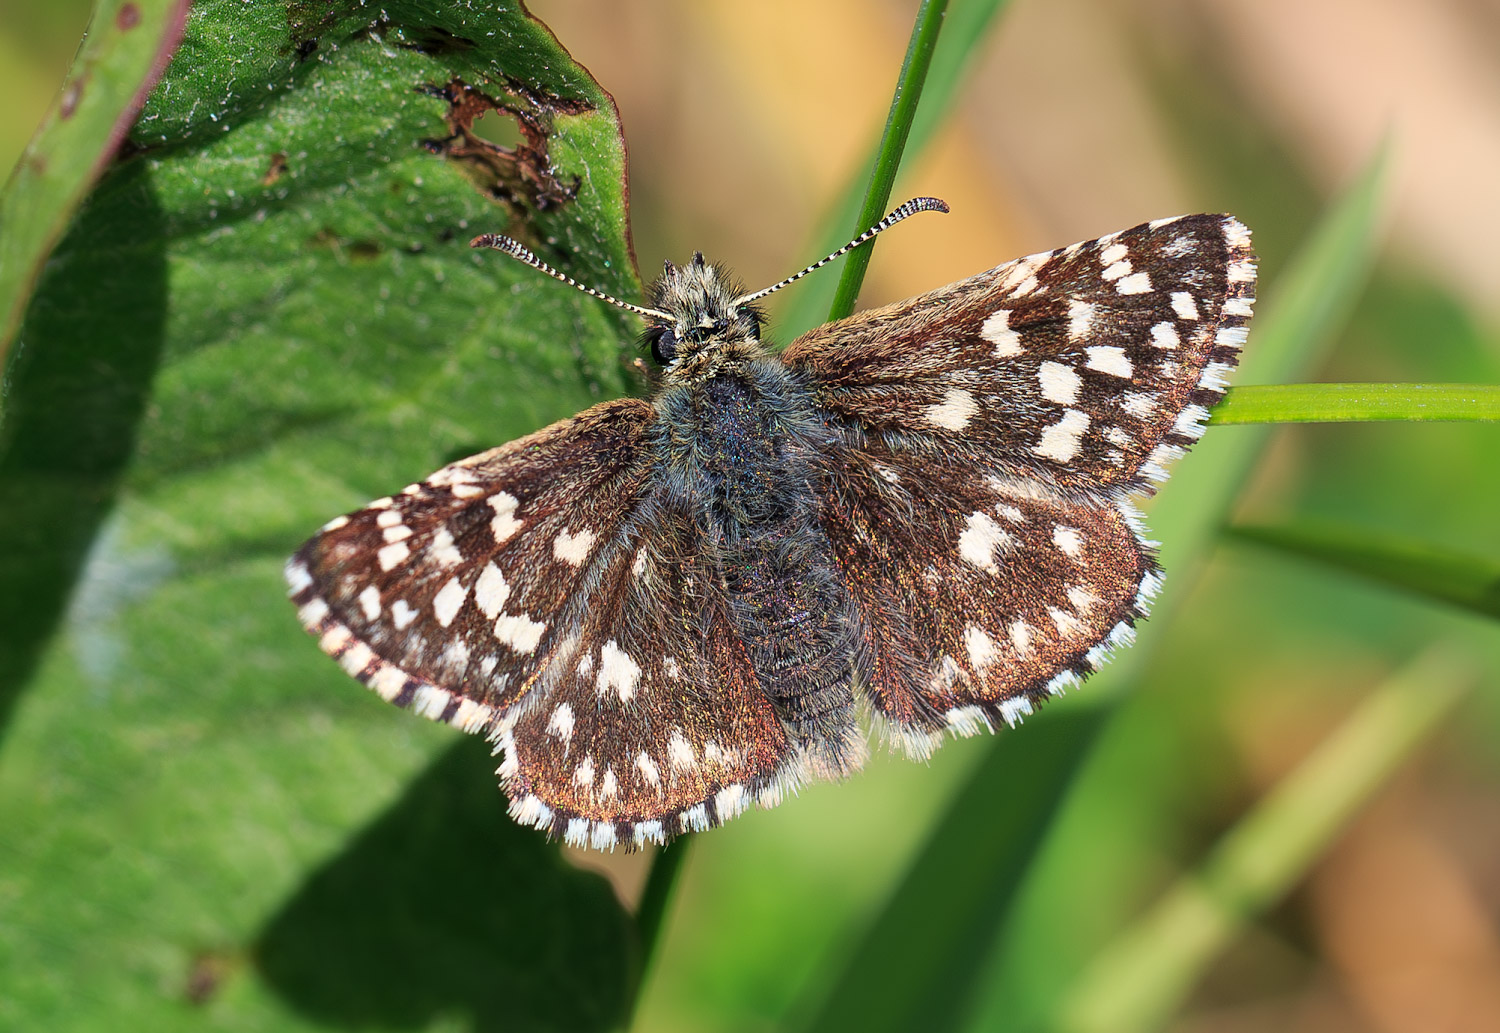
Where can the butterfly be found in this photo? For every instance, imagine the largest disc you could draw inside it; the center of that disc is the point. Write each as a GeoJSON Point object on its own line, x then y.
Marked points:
{"type": "Point", "coordinates": [663, 611]}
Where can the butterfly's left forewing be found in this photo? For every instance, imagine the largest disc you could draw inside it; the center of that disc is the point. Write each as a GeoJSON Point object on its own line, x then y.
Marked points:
{"type": "Point", "coordinates": [1092, 366]}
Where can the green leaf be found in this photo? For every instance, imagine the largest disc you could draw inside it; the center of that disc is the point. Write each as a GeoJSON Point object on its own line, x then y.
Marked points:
{"type": "Point", "coordinates": [1141, 977]}
{"type": "Point", "coordinates": [265, 314]}
{"type": "Point", "coordinates": [126, 48]}
{"type": "Point", "coordinates": [1359, 403]}
{"type": "Point", "coordinates": [1462, 579]}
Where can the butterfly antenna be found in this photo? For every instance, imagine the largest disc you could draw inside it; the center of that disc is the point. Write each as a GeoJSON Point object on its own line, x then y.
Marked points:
{"type": "Point", "coordinates": [906, 211]}
{"type": "Point", "coordinates": [515, 249]}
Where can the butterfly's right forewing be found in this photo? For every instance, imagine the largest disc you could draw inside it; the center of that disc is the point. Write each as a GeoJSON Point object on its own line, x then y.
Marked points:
{"type": "Point", "coordinates": [451, 596]}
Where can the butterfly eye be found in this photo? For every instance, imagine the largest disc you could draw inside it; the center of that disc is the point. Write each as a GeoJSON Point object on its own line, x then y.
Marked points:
{"type": "Point", "coordinates": [664, 347]}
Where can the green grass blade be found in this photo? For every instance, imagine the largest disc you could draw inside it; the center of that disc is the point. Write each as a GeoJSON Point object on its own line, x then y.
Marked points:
{"type": "Point", "coordinates": [1030, 960]}
{"type": "Point", "coordinates": [1462, 579]}
{"type": "Point", "coordinates": [1139, 980]}
{"type": "Point", "coordinates": [968, 25]}
{"type": "Point", "coordinates": [121, 57]}
{"type": "Point", "coordinates": [1359, 403]}
{"type": "Point", "coordinates": [924, 37]}
{"type": "Point", "coordinates": [930, 936]}
{"type": "Point", "coordinates": [651, 913]}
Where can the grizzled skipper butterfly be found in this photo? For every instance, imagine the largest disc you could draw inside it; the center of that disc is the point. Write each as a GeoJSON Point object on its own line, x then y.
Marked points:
{"type": "Point", "coordinates": [662, 611]}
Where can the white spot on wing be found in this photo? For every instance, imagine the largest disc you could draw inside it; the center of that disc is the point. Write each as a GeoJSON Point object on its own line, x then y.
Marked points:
{"type": "Point", "coordinates": [583, 774]}
{"type": "Point", "coordinates": [1059, 383]}
{"type": "Point", "coordinates": [1067, 624]}
{"type": "Point", "coordinates": [1061, 441]}
{"type": "Point", "coordinates": [573, 548]}
{"type": "Point", "coordinates": [1107, 358]}
{"type": "Point", "coordinates": [1080, 318]}
{"type": "Point", "coordinates": [982, 648]}
{"type": "Point", "coordinates": [448, 601]}
{"type": "Point", "coordinates": [997, 331]}
{"type": "Point", "coordinates": [680, 752]}
{"type": "Point", "coordinates": [491, 591]}
{"type": "Point", "coordinates": [561, 722]}
{"type": "Point", "coordinates": [980, 540]}
{"type": "Point", "coordinates": [342, 521]}
{"type": "Point", "coordinates": [1238, 307]}
{"type": "Point", "coordinates": [617, 671]}
{"type": "Point", "coordinates": [402, 614]}
{"type": "Point", "coordinates": [647, 767]}
{"type": "Point", "coordinates": [1068, 541]}
{"type": "Point", "coordinates": [504, 524]}
{"type": "Point", "coordinates": [1115, 271]}
{"type": "Point", "coordinates": [392, 554]}
{"type": "Point", "coordinates": [955, 410]}
{"type": "Point", "coordinates": [442, 550]}
{"type": "Point", "coordinates": [387, 519]}
{"type": "Point", "coordinates": [1135, 283]}
{"type": "Point", "coordinates": [1184, 305]}
{"type": "Point", "coordinates": [1114, 253]}
{"type": "Point", "coordinates": [1164, 335]}
{"type": "Point", "coordinates": [519, 631]}
{"type": "Point", "coordinates": [1139, 404]}
{"type": "Point", "coordinates": [369, 602]}
{"type": "Point", "coordinates": [1020, 637]}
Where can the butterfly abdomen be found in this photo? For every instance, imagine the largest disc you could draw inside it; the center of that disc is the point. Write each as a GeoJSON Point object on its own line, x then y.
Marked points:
{"type": "Point", "coordinates": [743, 445]}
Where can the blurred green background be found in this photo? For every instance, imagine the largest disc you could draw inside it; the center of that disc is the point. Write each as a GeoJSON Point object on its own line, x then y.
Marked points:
{"type": "Point", "coordinates": [746, 125]}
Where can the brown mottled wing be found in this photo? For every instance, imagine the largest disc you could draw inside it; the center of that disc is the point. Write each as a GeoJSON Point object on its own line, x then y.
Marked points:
{"type": "Point", "coordinates": [541, 593]}
{"type": "Point", "coordinates": [654, 724]}
{"type": "Point", "coordinates": [995, 431]}
{"type": "Point", "coordinates": [982, 594]}
{"type": "Point", "coordinates": [1090, 366]}
{"type": "Point", "coordinates": [451, 597]}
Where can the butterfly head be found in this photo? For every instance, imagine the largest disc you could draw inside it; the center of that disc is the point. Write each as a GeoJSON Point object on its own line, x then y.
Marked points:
{"type": "Point", "coordinates": [699, 312]}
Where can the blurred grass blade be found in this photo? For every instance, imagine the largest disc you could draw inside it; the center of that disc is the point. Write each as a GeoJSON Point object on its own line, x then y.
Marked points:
{"type": "Point", "coordinates": [966, 873]}
{"type": "Point", "coordinates": [122, 56]}
{"type": "Point", "coordinates": [968, 25]}
{"type": "Point", "coordinates": [1032, 958]}
{"type": "Point", "coordinates": [1463, 579]}
{"type": "Point", "coordinates": [651, 913]}
{"type": "Point", "coordinates": [1140, 979]}
{"type": "Point", "coordinates": [924, 36]}
{"type": "Point", "coordinates": [1359, 403]}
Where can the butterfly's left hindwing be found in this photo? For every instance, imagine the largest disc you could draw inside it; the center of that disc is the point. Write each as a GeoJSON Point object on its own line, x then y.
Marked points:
{"type": "Point", "coordinates": [982, 594]}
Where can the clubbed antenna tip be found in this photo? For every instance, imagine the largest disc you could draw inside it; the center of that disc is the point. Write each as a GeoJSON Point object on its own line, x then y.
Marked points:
{"type": "Point", "coordinates": [906, 211]}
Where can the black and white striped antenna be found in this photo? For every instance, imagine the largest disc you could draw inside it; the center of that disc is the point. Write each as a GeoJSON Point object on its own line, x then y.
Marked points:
{"type": "Point", "coordinates": [906, 211]}
{"type": "Point", "coordinates": [520, 252]}
{"type": "Point", "coordinates": [515, 249]}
